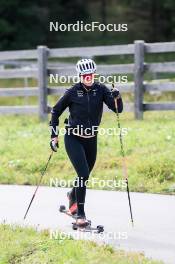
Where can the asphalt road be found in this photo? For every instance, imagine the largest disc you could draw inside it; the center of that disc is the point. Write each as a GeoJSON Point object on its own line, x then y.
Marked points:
{"type": "Point", "coordinates": [154, 217]}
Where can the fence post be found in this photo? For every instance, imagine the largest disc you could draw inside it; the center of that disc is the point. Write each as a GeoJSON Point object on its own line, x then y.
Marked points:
{"type": "Point", "coordinates": [138, 78]}
{"type": "Point", "coordinates": [42, 81]}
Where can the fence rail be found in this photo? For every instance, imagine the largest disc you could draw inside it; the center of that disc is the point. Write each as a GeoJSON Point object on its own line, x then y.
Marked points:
{"type": "Point", "coordinates": [161, 67]}
{"type": "Point", "coordinates": [27, 109]}
{"type": "Point", "coordinates": [92, 51]}
{"type": "Point", "coordinates": [42, 68]}
{"type": "Point", "coordinates": [18, 55]}
{"type": "Point", "coordinates": [18, 73]}
{"type": "Point", "coordinates": [11, 92]}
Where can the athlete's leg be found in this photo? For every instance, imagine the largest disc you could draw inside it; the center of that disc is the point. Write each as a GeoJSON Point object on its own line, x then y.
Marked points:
{"type": "Point", "coordinates": [90, 147]}
{"type": "Point", "coordinates": [77, 156]}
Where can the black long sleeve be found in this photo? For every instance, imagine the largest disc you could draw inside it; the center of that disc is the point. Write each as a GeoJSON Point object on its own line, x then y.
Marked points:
{"type": "Point", "coordinates": [56, 112]}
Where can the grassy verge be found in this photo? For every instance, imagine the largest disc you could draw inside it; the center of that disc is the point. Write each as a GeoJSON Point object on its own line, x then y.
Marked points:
{"type": "Point", "coordinates": [26, 246]}
{"type": "Point", "coordinates": [149, 145]}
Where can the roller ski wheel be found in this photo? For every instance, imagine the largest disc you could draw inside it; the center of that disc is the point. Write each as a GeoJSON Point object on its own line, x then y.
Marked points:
{"type": "Point", "coordinates": [62, 208]}
{"type": "Point", "coordinates": [66, 211]}
{"type": "Point", "coordinates": [100, 228]}
{"type": "Point", "coordinates": [88, 228]}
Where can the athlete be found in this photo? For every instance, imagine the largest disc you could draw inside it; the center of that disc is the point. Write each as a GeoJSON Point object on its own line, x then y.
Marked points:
{"type": "Point", "coordinates": [85, 102]}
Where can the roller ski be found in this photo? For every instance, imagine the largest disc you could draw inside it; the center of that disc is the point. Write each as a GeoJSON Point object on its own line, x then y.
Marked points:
{"type": "Point", "coordinates": [72, 211]}
{"type": "Point", "coordinates": [77, 225]}
{"type": "Point", "coordinates": [81, 223]}
{"type": "Point", "coordinates": [63, 210]}
{"type": "Point", "coordinates": [86, 227]}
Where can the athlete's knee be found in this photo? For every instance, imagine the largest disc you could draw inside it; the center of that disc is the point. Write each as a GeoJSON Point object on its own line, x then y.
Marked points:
{"type": "Point", "coordinates": [82, 180]}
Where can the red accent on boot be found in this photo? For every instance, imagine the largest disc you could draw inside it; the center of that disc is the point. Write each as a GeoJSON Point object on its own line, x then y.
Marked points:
{"type": "Point", "coordinates": [73, 208]}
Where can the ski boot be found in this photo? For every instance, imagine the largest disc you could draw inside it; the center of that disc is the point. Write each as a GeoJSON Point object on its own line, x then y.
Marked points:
{"type": "Point", "coordinates": [72, 204]}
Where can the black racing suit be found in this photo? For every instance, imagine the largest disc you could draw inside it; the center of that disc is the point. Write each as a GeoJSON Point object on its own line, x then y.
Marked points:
{"type": "Point", "coordinates": [85, 106]}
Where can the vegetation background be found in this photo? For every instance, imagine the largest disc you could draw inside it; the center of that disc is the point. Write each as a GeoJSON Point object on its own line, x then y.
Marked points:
{"type": "Point", "coordinates": [149, 143]}
{"type": "Point", "coordinates": [24, 141]}
{"type": "Point", "coordinates": [25, 24]}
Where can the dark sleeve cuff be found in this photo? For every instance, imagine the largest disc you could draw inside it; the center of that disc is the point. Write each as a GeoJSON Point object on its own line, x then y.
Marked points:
{"type": "Point", "coordinates": [54, 131]}
{"type": "Point", "coordinates": [116, 94]}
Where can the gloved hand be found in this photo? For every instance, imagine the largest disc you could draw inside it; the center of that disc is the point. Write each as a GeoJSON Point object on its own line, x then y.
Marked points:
{"type": "Point", "coordinates": [115, 92]}
{"type": "Point", "coordinates": [54, 144]}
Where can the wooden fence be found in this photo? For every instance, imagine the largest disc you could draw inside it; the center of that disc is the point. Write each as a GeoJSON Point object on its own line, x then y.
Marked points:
{"type": "Point", "coordinates": [43, 69]}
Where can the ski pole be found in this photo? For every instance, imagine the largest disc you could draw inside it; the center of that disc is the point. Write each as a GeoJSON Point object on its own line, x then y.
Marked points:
{"type": "Point", "coordinates": [125, 172]}
{"type": "Point", "coordinates": [42, 174]}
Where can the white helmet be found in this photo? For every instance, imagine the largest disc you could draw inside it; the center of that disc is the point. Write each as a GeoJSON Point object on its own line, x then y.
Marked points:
{"type": "Point", "coordinates": [86, 66]}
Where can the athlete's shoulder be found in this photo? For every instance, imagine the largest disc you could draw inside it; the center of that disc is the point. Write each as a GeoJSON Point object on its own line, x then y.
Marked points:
{"type": "Point", "coordinates": [100, 86]}
{"type": "Point", "coordinates": [74, 87]}
{"type": "Point", "coordinates": [70, 91]}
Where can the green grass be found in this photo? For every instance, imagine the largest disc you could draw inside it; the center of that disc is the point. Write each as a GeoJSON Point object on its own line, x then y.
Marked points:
{"type": "Point", "coordinates": [149, 146]}
{"type": "Point", "coordinates": [26, 246]}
